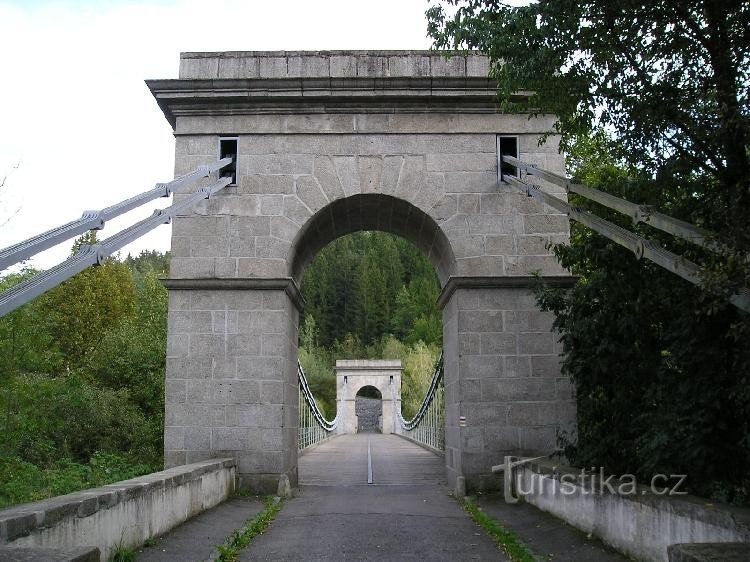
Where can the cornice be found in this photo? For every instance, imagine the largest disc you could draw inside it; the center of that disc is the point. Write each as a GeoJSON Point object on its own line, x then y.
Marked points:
{"type": "Point", "coordinates": [287, 284]}
{"type": "Point", "coordinates": [503, 282]}
{"type": "Point", "coordinates": [447, 94]}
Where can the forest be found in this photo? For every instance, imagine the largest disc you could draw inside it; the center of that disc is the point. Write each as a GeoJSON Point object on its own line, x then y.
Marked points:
{"type": "Point", "coordinates": [370, 295]}
{"type": "Point", "coordinates": [82, 367]}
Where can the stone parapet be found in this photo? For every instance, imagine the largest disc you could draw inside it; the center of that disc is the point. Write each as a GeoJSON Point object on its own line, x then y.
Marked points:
{"type": "Point", "coordinates": [709, 552]}
{"type": "Point", "coordinates": [122, 514]}
{"type": "Point", "coordinates": [635, 520]}
{"type": "Point", "coordinates": [331, 64]}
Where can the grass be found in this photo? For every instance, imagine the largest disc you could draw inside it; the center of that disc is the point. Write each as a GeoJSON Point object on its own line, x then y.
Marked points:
{"type": "Point", "coordinates": [510, 543]}
{"type": "Point", "coordinates": [123, 554]}
{"type": "Point", "coordinates": [241, 538]}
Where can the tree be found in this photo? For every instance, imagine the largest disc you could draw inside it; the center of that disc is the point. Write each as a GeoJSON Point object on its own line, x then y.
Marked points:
{"type": "Point", "coordinates": [369, 284]}
{"type": "Point", "coordinates": [652, 106]}
{"type": "Point", "coordinates": [81, 310]}
{"type": "Point", "coordinates": [372, 304]}
{"type": "Point", "coordinates": [24, 343]}
{"type": "Point", "coordinates": [669, 79]}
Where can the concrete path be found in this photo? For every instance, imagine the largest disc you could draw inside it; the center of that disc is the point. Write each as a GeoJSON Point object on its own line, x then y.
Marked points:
{"type": "Point", "coordinates": [196, 539]}
{"type": "Point", "coordinates": [405, 514]}
{"type": "Point", "coordinates": [546, 535]}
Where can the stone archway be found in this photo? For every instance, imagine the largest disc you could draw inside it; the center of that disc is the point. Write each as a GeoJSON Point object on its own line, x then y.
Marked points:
{"type": "Point", "coordinates": [368, 407]}
{"type": "Point", "coordinates": [372, 211]}
{"type": "Point", "coordinates": [380, 374]}
{"type": "Point", "coordinates": [330, 143]}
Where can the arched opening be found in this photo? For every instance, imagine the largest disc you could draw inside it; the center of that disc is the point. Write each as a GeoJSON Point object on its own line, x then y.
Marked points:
{"type": "Point", "coordinates": [370, 268]}
{"type": "Point", "coordinates": [372, 211]}
{"type": "Point", "coordinates": [370, 296]}
{"type": "Point", "coordinates": [368, 407]}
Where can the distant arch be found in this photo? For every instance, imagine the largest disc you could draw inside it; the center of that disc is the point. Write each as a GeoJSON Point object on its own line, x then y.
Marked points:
{"type": "Point", "coordinates": [370, 391]}
{"type": "Point", "coordinates": [368, 407]}
{"type": "Point", "coordinates": [372, 211]}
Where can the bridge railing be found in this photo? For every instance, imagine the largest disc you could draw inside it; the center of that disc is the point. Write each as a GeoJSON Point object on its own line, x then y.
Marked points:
{"type": "Point", "coordinates": [88, 256]}
{"type": "Point", "coordinates": [428, 425]}
{"type": "Point", "coordinates": [641, 247]}
{"type": "Point", "coordinates": [313, 425]}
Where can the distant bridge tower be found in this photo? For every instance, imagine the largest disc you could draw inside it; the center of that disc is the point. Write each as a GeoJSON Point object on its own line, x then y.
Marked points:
{"type": "Point", "coordinates": [355, 374]}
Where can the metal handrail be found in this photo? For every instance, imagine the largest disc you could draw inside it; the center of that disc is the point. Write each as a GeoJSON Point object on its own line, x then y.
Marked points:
{"type": "Point", "coordinates": [310, 399]}
{"type": "Point", "coordinates": [96, 254]}
{"type": "Point", "coordinates": [437, 377]}
{"type": "Point", "coordinates": [95, 220]}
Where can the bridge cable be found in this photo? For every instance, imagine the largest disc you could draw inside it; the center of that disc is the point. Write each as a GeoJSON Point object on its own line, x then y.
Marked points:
{"type": "Point", "coordinates": [95, 220]}
{"type": "Point", "coordinates": [437, 378]}
{"type": "Point", "coordinates": [309, 399]}
{"type": "Point", "coordinates": [90, 255]}
{"type": "Point", "coordinates": [641, 247]}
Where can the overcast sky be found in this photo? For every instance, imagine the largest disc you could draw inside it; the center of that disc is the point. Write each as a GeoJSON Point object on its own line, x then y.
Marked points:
{"type": "Point", "coordinates": [78, 120]}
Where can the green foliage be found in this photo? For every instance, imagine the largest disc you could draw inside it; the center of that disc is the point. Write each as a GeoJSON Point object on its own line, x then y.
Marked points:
{"type": "Point", "coordinates": [418, 361]}
{"type": "Point", "coordinates": [661, 371]}
{"type": "Point", "coordinates": [44, 419]}
{"type": "Point", "coordinates": [22, 481]}
{"type": "Point", "coordinates": [24, 343]}
{"type": "Point", "coordinates": [131, 357]}
{"type": "Point", "coordinates": [123, 554]}
{"type": "Point", "coordinates": [80, 311]}
{"type": "Point", "coordinates": [660, 366]}
{"type": "Point", "coordinates": [321, 378]}
{"type": "Point", "coordinates": [149, 262]}
{"type": "Point", "coordinates": [366, 285]}
{"type": "Point", "coordinates": [81, 401]}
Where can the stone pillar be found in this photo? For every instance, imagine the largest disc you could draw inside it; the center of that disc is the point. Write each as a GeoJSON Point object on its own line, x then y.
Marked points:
{"type": "Point", "coordinates": [504, 391]}
{"type": "Point", "coordinates": [231, 388]}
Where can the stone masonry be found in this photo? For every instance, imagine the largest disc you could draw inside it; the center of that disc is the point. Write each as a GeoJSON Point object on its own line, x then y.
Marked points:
{"type": "Point", "coordinates": [369, 413]}
{"type": "Point", "coordinates": [331, 143]}
{"type": "Point", "coordinates": [352, 375]}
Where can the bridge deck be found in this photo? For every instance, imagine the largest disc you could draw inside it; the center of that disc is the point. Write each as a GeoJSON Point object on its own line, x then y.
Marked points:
{"type": "Point", "coordinates": [342, 461]}
{"type": "Point", "coordinates": [405, 514]}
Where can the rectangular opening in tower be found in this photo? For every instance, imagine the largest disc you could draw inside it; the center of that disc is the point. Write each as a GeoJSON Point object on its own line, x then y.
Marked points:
{"type": "Point", "coordinates": [228, 149]}
{"type": "Point", "coordinates": [506, 146]}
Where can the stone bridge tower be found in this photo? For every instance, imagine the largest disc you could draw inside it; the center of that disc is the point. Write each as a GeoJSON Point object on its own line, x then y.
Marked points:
{"type": "Point", "coordinates": [329, 143]}
{"type": "Point", "coordinates": [354, 374]}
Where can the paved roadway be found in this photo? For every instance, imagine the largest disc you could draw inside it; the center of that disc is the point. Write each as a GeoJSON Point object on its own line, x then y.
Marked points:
{"type": "Point", "coordinates": [405, 514]}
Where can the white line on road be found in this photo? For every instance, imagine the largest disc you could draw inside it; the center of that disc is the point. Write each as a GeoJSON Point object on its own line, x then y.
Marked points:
{"type": "Point", "coordinates": [369, 462]}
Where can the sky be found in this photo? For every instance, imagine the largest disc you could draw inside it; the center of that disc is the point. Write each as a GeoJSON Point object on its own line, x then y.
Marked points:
{"type": "Point", "coordinates": [80, 130]}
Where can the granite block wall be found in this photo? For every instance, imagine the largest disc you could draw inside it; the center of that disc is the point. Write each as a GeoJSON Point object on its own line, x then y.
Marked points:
{"type": "Point", "coordinates": [331, 143]}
